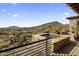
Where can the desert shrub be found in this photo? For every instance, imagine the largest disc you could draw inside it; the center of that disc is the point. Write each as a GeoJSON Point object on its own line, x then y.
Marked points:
{"type": "Point", "coordinates": [4, 43]}
{"type": "Point", "coordinates": [21, 38]}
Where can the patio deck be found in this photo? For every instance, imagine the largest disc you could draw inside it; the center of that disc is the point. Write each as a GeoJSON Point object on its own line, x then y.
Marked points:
{"type": "Point", "coordinates": [71, 49]}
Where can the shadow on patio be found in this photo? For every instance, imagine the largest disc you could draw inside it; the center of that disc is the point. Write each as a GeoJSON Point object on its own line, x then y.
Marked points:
{"type": "Point", "coordinates": [67, 49]}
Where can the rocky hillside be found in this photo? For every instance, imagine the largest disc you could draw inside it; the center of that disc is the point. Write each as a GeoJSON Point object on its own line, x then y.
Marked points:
{"type": "Point", "coordinates": [52, 27]}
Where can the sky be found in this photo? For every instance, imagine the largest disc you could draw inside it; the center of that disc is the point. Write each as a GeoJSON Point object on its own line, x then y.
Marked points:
{"type": "Point", "coordinates": [33, 14]}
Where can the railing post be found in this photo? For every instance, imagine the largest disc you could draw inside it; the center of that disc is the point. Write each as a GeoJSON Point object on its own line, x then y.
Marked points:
{"type": "Point", "coordinates": [46, 47]}
{"type": "Point", "coordinates": [47, 37]}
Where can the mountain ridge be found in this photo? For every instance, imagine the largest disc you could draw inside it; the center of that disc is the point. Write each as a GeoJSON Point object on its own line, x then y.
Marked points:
{"type": "Point", "coordinates": [52, 27]}
{"type": "Point", "coordinates": [54, 22]}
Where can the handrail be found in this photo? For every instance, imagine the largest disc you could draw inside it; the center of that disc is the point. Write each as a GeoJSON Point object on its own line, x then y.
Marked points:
{"type": "Point", "coordinates": [22, 45]}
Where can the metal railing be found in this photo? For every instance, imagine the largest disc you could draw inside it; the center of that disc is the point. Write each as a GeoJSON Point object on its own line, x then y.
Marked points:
{"type": "Point", "coordinates": [37, 48]}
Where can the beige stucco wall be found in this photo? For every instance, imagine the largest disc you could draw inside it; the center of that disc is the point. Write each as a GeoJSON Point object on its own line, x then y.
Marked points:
{"type": "Point", "coordinates": [74, 26]}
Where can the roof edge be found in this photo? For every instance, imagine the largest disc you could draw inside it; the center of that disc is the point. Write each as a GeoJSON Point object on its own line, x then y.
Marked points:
{"type": "Point", "coordinates": [72, 17]}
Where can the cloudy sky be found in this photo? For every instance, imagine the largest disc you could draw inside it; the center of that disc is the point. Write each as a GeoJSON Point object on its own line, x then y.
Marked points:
{"type": "Point", "coordinates": [30, 14]}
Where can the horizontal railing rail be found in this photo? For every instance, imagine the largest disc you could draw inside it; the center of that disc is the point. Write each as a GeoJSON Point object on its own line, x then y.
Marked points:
{"type": "Point", "coordinates": [22, 45]}
{"type": "Point", "coordinates": [34, 48]}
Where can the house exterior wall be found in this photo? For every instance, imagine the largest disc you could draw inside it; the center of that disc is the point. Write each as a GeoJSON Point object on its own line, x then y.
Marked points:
{"type": "Point", "coordinates": [74, 27]}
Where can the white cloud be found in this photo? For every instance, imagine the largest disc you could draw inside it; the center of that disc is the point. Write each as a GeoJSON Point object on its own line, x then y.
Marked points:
{"type": "Point", "coordinates": [14, 3]}
{"type": "Point", "coordinates": [12, 15]}
{"type": "Point", "coordinates": [64, 17]}
{"type": "Point", "coordinates": [66, 14]}
{"type": "Point", "coordinates": [3, 10]}
{"type": "Point", "coordinates": [8, 14]}
{"type": "Point", "coordinates": [15, 15]}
